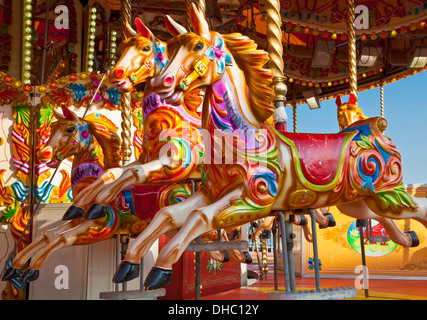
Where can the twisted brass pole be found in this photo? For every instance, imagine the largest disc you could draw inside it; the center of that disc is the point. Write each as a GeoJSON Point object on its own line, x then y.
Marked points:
{"type": "Point", "coordinates": [382, 99]}
{"type": "Point", "coordinates": [126, 99]}
{"type": "Point", "coordinates": [275, 50]}
{"type": "Point", "coordinates": [351, 32]}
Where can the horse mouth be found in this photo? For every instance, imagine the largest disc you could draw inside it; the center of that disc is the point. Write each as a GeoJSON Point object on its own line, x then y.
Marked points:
{"type": "Point", "coordinates": [123, 85]}
{"type": "Point", "coordinates": [52, 163]}
{"type": "Point", "coordinates": [172, 97]}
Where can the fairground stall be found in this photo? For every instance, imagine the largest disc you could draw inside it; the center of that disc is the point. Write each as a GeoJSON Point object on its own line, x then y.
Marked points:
{"type": "Point", "coordinates": [92, 93]}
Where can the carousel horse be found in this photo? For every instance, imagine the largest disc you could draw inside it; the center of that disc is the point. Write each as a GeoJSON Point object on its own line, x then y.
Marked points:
{"type": "Point", "coordinates": [95, 147]}
{"type": "Point", "coordinates": [267, 170]}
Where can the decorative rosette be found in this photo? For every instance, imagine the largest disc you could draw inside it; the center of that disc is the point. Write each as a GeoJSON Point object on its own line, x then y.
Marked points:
{"type": "Point", "coordinates": [217, 53]}
{"type": "Point", "coordinates": [159, 55]}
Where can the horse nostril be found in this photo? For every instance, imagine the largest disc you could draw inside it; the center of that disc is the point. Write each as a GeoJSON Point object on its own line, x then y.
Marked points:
{"type": "Point", "coordinates": [47, 154]}
{"type": "Point", "coordinates": [169, 80]}
{"type": "Point", "coordinates": [120, 73]}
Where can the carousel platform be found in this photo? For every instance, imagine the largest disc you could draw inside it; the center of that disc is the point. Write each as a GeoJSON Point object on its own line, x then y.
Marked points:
{"type": "Point", "coordinates": [379, 289]}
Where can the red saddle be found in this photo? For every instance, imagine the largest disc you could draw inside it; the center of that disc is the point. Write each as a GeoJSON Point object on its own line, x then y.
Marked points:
{"type": "Point", "coordinates": [146, 200]}
{"type": "Point", "coordinates": [319, 155]}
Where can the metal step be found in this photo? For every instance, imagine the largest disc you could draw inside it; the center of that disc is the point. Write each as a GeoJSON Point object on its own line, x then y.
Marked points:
{"type": "Point", "coordinates": [218, 246]}
{"type": "Point", "coordinates": [136, 294]}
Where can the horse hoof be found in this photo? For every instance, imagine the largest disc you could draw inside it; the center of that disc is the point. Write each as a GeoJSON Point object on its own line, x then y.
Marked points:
{"type": "Point", "coordinates": [127, 271]}
{"type": "Point", "coordinates": [235, 234]}
{"type": "Point", "coordinates": [96, 211]}
{"type": "Point", "coordinates": [12, 273]}
{"type": "Point", "coordinates": [303, 221]}
{"type": "Point", "coordinates": [266, 234]}
{"type": "Point", "coordinates": [226, 257]}
{"type": "Point", "coordinates": [29, 275]}
{"type": "Point", "coordinates": [158, 278]}
{"type": "Point", "coordinates": [331, 221]}
{"type": "Point", "coordinates": [248, 258]}
{"type": "Point", "coordinates": [72, 213]}
{"type": "Point", "coordinates": [414, 238]}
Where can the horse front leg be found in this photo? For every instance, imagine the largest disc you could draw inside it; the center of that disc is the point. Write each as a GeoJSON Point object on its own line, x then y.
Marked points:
{"type": "Point", "coordinates": [166, 221]}
{"type": "Point", "coordinates": [84, 198]}
{"type": "Point", "coordinates": [132, 176]}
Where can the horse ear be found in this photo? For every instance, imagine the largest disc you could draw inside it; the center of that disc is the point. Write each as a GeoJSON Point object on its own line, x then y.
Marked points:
{"type": "Point", "coordinates": [68, 114]}
{"type": "Point", "coordinates": [338, 101]}
{"type": "Point", "coordinates": [199, 23]}
{"type": "Point", "coordinates": [57, 114]}
{"type": "Point", "coordinates": [129, 32]}
{"type": "Point", "coordinates": [143, 30]}
{"type": "Point", "coordinates": [353, 99]}
{"type": "Point", "coordinates": [173, 27]}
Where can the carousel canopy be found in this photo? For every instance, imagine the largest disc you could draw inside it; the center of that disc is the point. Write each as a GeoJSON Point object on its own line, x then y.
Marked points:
{"type": "Point", "coordinates": [391, 38]}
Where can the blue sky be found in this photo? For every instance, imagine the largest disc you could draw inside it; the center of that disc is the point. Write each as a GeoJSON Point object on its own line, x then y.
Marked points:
{"type": "Point", "coordinates": [405, 108]}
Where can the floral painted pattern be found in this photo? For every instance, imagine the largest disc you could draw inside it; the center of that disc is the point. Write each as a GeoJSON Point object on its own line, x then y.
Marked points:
{"type": "Point", "coordinates": [218, 54]}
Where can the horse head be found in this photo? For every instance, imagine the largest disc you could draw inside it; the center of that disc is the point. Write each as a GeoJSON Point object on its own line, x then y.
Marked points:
{"type": "Point", "coordinates": [142, 56]}
{"type": "Point", "coordinates": [70, 136]}
{"type": "Point", "coordinates": [348, 113]}
{"type": "Point", "coordinates": [199, 59]}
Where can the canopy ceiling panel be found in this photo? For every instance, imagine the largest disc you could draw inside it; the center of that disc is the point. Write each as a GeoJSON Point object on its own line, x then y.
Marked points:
{"type": "Point", "coordinates": [391, 38]}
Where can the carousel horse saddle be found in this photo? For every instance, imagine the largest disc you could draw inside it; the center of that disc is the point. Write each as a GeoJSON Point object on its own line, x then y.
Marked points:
{"type": "Point", "coordinates": [318, 155]}
{"type": "Point", "coordinates": [144, 200]}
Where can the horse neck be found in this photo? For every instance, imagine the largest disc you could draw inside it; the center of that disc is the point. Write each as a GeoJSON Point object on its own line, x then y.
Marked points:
{"type": "Point", "coordinates": [86, 155]}
{"type": "Point", "coordinates": [231, 89]}
{"type": "Point", "coordinates": [152, 101]}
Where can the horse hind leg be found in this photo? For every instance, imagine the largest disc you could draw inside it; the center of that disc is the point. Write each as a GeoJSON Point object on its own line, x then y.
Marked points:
{"type": "Point", "coordinates": [198, 222]}
{"type": "Point", "coordinates": [166, 220]}
{"type": "Point", "coordinates": [20, 261]}
{"type": "Point", "coordinates": [62, 240]}
{"type": "Point", "coordinates": [403, 238]}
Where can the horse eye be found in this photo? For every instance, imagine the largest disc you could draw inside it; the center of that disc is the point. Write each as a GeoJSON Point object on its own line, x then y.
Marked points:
{"type": "Point", "coordinates": [70, 129]}
{"type": "Point", "coordinates": [146, 48]}
{"type": "Point", "coordinates": [199, 46]}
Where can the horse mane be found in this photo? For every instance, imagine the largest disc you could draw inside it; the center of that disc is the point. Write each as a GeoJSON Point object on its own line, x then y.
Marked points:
{"type": "Point", "coordinates": [103, 131]}
{"type": "Point", "coordinates": [258, 79]}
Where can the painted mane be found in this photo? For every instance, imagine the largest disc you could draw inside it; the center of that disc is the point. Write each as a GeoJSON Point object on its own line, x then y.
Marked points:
{"type": "Point", "coordinates": [103, 130]}
{"type": "Point", "coordinates": [258, 79]}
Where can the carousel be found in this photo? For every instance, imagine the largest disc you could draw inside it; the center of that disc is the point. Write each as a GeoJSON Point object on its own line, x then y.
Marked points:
{"type": "Point", "coordinates": [147, 152]}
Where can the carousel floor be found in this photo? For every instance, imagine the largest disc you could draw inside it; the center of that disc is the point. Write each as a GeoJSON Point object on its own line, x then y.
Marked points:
{"type": "Point", "coordinates": [378, 289]}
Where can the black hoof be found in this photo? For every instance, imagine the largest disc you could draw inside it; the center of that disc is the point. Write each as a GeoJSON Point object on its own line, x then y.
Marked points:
{"type": "Point", "coordinates": [96, 211]}
{"type": "Point", "coordinates": [158, 278]}
{"type": "Point", "coordinates": [12, 273]}
{"type": "Point", "coordinates": [248, 258]}
{"type": "Point", "coordinates": [331, 221]}
{"type": "Point", "coordinates": [29, 275]}
{"type": "Point", "coordinates": [414, 238]}
{"type": "Point", "coordinates": [226, 257]}
{"type": "Point", "coordinates": [72, 213]}
{"type": "Point", "coordinates": [127, 271]}
{"type": "Point", "coordinates": [235, 234]}
{"type": "Point", "coordinates": [303, 221]}
{"type": "Point", "coordinates": [266, 234]}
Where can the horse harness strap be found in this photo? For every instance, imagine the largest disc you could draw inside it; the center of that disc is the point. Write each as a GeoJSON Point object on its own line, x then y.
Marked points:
{"type": "Point", "coordinates": [147, 65]}
{"type": "Point", "coordinates": [200, 69]}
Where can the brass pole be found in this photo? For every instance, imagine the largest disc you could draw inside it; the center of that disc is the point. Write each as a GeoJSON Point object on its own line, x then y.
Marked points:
{"type": "Point", "coordinates": [382, 99]}
{"type": "Point", "coordinates": [351, 32]}
{"type": "Point", "coordinates": [275, 50]}
{"type": "Point", "coordinates": [126, 99]}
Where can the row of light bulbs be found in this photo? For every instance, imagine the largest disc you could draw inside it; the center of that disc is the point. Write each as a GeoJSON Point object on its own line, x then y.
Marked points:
{"type": "Point", "coordinates": [91, 41]}
{"type": "Point", "coordinates": [26, 44]}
